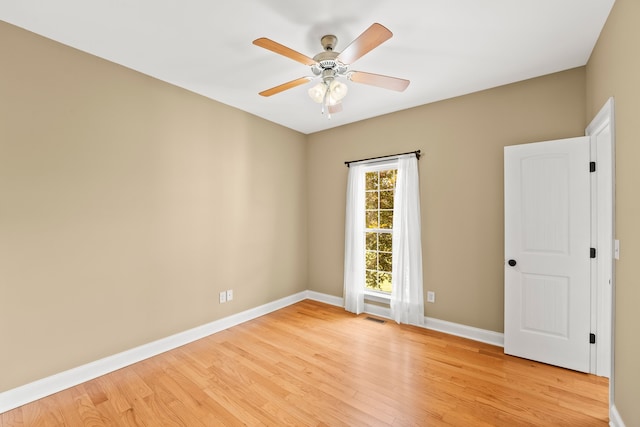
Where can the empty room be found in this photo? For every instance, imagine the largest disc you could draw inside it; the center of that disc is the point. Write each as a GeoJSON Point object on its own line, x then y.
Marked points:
{"type": "Point", "coordinates": [324, 214]}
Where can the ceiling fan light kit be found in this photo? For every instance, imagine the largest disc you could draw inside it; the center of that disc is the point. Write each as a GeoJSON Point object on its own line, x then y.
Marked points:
{"type": "Point", "coordinates": [331, 66]}
{"type": "Point", "coordinates": [331, 93]}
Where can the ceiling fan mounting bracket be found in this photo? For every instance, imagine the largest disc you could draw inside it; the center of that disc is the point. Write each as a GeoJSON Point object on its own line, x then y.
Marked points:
{"type": "Point", "coordinates": [329, 42]}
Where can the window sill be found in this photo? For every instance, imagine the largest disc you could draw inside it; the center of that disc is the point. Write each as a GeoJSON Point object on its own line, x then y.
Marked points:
{"type": "Point", "coordinates": [378, 297]}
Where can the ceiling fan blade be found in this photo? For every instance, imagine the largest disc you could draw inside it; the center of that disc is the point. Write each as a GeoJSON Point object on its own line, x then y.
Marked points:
{"type": "Point", "coordinates": [371, 38]}
{"type": "Point", "coordinates": [283, 50]}
{"type": "Point", "coordinates": [285, 86]}
{"type": "Point", "coordinates": [335, 108]}
{"type": "Point", "coordinates": [379, 80]}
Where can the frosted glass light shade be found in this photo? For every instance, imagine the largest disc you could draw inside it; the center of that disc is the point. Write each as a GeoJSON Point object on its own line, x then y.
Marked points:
{"type": "Point", "coordinates": [337, 91]}
{"type": "Point", "coordinates": [317, 92]}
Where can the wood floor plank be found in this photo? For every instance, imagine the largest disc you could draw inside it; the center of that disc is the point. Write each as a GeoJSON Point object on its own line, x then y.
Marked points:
{"type": "Point", "coordinates": [311, 364]}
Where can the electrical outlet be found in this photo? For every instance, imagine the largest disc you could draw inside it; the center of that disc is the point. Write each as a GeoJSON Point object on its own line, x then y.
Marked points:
{"type": "Point", "coordinates": [223, 297]}
{"type": "Point", "coordinates": [230, 295]}
{"type": "Point", "coordinates": [431, 296]}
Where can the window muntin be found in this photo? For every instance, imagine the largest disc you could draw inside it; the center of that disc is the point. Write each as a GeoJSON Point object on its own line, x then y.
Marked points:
{"type": "Point", "coordinates": [379, 194]}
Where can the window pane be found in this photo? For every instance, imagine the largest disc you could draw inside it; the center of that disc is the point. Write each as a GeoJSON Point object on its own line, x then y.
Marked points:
{"type": "Point", "coordinates": [380, 188]}
{"type": "Point", "coordinates": [371, 260]}
{"type": "Point", "coordinates": [384, 242]}
{"type": "Point", "coordinates": [385, 261]}
{"type": "Point", "coordinates": [371, 280]}
{"type": "Point", "coordinates": [384, 282]}
{"type": "Point", "coordinates": [386, 219]}
{"type": "Point", "coordinates": [371, 179]}
{"type": "Point", "coordinates": [371, 200]}
{"type": "Point", "coordinates": [371, 241]}
{"type": "Point", "coordinates": [386, 200]}
{"type": "Point", "coordinates": [371, 220]}
{"type": "Point", "coordinates": [388, 179]}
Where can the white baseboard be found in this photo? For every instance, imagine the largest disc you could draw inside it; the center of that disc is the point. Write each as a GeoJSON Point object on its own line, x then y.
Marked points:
{"type": "Point", "coordinates": [325, 298]}
{"type": "Point", "coordinates": [614, 417]}
{"type": "Point", "coordinates": [476, 334]}
{"type": "Point", "coordinates": [22, 395]}
{"type": "Point", "coordinates": [19, 396]}
{"type": "Point", "coordinates": [464, 331]}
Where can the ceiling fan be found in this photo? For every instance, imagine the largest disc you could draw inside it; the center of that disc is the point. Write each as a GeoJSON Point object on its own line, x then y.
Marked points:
{"type": "Point", "coordinates": [330, 65]}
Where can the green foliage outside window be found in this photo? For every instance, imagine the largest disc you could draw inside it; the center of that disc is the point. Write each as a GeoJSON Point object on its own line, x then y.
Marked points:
{"type": "Point", "coordinates": [380, 187]}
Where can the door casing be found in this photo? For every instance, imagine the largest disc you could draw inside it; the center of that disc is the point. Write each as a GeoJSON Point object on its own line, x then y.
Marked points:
{"type": "Point", "coordinates": [601, 131]}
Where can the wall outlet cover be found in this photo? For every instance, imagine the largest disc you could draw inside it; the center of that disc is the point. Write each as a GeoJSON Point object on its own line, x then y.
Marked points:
{"type": "Point", "coordinates": [431, 296]}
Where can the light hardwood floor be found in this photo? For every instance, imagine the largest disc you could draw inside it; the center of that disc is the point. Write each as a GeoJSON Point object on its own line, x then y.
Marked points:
{"type": "Point", "coordinates": [311, 364]}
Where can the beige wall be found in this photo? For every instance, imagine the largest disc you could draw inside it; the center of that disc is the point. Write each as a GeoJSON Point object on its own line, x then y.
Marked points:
{"type": "Point", "coordinates": [614, 70]}
{"type": "Point", "coordinates": [461, 178]}
{"type": "Point", "coordinates": [127, 204]}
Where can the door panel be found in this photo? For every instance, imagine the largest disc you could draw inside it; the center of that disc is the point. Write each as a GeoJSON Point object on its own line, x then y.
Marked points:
{"type": "Point", "coordinates": [545, 305]}
{"type": "Point", "coordinates": [544, 182]}
{"type": "Point", "coordinates": [547, 235]}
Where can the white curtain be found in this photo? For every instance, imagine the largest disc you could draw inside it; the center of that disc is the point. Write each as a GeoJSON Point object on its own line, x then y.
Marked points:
{"type": "Point", "coordinates": [354, 270]}
{"type": "Point", "coordinates": [407, 303]}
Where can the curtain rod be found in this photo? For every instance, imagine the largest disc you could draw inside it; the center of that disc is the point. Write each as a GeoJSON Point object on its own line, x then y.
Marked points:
{"type": "Point", "coordinates": [417, 153]}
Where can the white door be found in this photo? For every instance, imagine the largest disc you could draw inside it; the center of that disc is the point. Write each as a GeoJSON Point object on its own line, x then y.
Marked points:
{"type": "Point", "coordinates": [547, 252]}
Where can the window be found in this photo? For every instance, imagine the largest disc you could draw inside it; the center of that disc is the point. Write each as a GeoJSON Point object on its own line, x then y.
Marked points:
{"type": "Point", "coordinates": [382, 250]}
{"type": "Point", "coordinates": [379, 193]}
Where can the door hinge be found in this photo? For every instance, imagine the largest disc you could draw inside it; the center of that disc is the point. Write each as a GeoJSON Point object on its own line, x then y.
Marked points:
{"type": "Point", "coordinates": [592, 166]}
{"type": "Point", "coordinates": [592, 338]}
{"type": "Point", "coordinates": [592, 253]}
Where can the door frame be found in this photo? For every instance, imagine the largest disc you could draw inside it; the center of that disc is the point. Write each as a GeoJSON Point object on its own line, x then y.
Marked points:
{"type": "Point", "coordinates": [601, 131]}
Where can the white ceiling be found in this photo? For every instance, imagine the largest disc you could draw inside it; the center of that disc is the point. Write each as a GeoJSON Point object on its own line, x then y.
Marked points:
{"type": "Point", "coordinates": [446, 48]}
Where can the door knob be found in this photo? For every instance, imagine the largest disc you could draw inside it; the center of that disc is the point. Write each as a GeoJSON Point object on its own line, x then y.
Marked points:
{"type": "Point", "coordinates": [512, 262]}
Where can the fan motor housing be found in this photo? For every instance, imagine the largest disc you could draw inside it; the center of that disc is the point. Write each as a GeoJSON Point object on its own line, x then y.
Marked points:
{"type": "Point", "coordinates": [327, 61]}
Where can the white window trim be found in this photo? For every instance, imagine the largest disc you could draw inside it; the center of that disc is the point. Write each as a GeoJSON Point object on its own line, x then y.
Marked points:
{"type": "Point", "coordinates": [381, 297]}
{"type": "Point", "coordinates": [377, 166]}
{"type": "Point", "coordinates": [381, 165]}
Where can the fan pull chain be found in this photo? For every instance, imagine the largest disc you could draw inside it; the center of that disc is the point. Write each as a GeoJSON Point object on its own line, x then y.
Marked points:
{"type": "Point", "coordinates": [325, 102]}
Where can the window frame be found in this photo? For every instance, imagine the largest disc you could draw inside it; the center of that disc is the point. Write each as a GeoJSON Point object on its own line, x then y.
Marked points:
{"type": "Point", "coordinates": [370, 294]}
